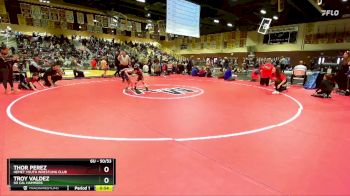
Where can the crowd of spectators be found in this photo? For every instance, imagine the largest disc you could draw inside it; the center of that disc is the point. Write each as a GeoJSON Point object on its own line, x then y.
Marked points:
{"type": "Point", "coordinates": [46, 57]}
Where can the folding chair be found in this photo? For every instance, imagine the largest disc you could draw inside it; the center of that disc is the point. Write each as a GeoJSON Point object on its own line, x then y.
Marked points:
{"type": "Point", "coordinates": [298, 75]}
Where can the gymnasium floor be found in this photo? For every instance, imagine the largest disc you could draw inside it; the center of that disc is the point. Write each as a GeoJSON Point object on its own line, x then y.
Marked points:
{"type": "Point", "coordinates": [214, 138]}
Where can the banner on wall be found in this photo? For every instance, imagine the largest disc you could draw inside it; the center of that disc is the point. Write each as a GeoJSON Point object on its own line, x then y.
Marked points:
{"type": "Point", "coordinates": [29, 21]}
{"type": "Point", "coordinates": [90, 28]}
{"type": "Point", "coordinates": [243, 35]}
{"type": "Point", "coordinates": [90, 20]}
{"type": "Point", "coordinates": [36, 12]}
{"type": "Point", "coordinates": [98, 19]}
{"type": "Point", "coordinates": [51, 24]}
{"type": "Point", "coordinates": [242, 43]}
{"type": "Point", "coordinates": [64, 25]}
{"type": "Point", "coordinates": [224, 44]}
{"type": "Point", "coordinates": [138, 27]}
{"type": "Point", "coordinates": [308, 39]}
{"type": "Point", "coordinates": [36, 22]}
{"type": "Point", "coordinates": [2, 7]}
{"type": "Point", "coordinates": [105, 21]}
{"type": "Point", "coordinates": [62, 15]}
{"type": "Point", "coordinates": [123, 24]}
{"type": "Point", "coordinates": [113, 23]}
{"type": "Point", "coordinates": [69, 16]}
{"type": "Point", "coordinates": [44, 23]}
{"type": "Point", "coordinates": [5, 18]}
{"type": "Point", "coordinates": [54, 15]}
{"type": "Point", "coordinates": [80, 18]}
{"type": "Point", "coordinates": [98, 29]}
{"type": "Point", "coordinates": [213, 44]}
{"type": "Point", "coordinates": [133, 29]}
{"type": "Point", "coordinates": [21, 19]}
{"type": "Point", "coordinates": [26, 10]}
{"type": "Point", "coordinates": [45, 13]}
{"type": "Point", "coordinates": [57, 25]}
{"type": "Point", "coordinates": [347, 37]}
{"type": "Point", "coordinates": [129, 26]}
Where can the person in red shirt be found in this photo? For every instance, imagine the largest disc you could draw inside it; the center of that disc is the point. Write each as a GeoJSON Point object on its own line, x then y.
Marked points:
{"type": "Point", "coordinates": [280, 81]}
{"type": "Point", "coordinates": [93, 63]}
{"type": "Point", "coordinates": [266, 72]}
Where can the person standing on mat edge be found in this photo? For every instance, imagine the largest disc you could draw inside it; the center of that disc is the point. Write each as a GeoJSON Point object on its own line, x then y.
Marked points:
{"type": "Point", "coordinates": [341, 76]}
{"type": "Point", "coordinates": [52, 75]}
{"type": "Point", "coordinates": [266, 72]}
{"type": "Point", "coordinates": [280, 81]}
{"type": "Point", "coordinates": [189, 66]}
{"type": "Point", "coordinates": [6, 69]}
{"type": "Point", "coordinates": [117, 64]}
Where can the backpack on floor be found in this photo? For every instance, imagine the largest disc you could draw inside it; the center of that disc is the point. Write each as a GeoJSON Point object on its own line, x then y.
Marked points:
{"type": "Point", "coordinates": [311, 81]}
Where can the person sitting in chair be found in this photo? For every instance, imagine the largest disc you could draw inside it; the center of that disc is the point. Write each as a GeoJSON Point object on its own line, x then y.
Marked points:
{"type": "Point", "coordinates": [301, 68]}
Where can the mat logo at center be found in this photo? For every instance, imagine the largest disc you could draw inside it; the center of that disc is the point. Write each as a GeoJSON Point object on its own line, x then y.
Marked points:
{"type": "Point", "coordinates": [165, 92]}
{"type": "Point", "coordinates": [173, 91]}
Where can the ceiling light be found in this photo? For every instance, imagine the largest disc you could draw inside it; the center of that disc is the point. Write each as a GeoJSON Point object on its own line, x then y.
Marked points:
{"type": "Point", "coordinates": [216, 21]}
{"type": "Point", "coordinates": [263, 11]}
{"type": "Point", "coordinates": [275, 17]}
{"type": "Point", "coordinates": [344, 0]}
{"type": "Point", "coordinates": [141, 1]}
{"type": "Point", "coordinates": [229, 24]}
{"type": "Point", "coordinates": [148, 15]}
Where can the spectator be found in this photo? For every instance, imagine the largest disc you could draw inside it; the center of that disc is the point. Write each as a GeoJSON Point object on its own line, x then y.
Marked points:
{"type": "Point", "coordinates": [301, 66]}
{"type": "Point", "coordinates": [228, 75]}
{"type": "Point", "coordinates": [104, 66]}
{"type": "Point", "coordinates": [298, 68]}
{"type": "Point", "coordinates": [202, 72]}
{"type": "Point", "coordinates": [93, 63]}
{"type": "Point", "coordinates": [6, 71]}
{"type": "Point", "coordinates": [189, 66]}
{"type": "Point", "coordinates": [341, 76]}
{"type": "Point", "coordinates": [195, 71]}
{"type": "Point", "coordinates": [34, 65]}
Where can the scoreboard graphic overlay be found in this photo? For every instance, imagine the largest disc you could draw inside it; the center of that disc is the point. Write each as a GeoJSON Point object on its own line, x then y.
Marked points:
{"type": "Point", "coordinates": [93, 174]}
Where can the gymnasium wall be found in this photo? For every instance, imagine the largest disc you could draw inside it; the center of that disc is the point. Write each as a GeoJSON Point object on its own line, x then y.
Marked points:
{"type": "Point", "coordinates": [51, 31]}
{"type": "Point", "coordinates": [327, 37]}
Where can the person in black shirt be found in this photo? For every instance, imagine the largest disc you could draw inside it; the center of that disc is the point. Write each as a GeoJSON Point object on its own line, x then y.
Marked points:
{"type": "Point", "coordinates": [341, 76]}
{"type": "Point", "coordinates": [52, 75]}
{"type": "Point", "coordinates": [6, 72]}
{"type": "Point", "coordinates": [326, 87]}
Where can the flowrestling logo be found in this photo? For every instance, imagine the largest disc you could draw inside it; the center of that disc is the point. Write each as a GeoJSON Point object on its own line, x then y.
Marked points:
{"type": "Point", "coordinates": [165, 91]}
{"type": "Point", "coordinates": [330, 12]}
{"type": "Point", "coordinates": [327, 12]}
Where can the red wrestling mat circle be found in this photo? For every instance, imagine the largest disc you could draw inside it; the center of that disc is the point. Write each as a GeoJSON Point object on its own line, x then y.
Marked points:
{"type": "Point", "coordinates": [181, 110]}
